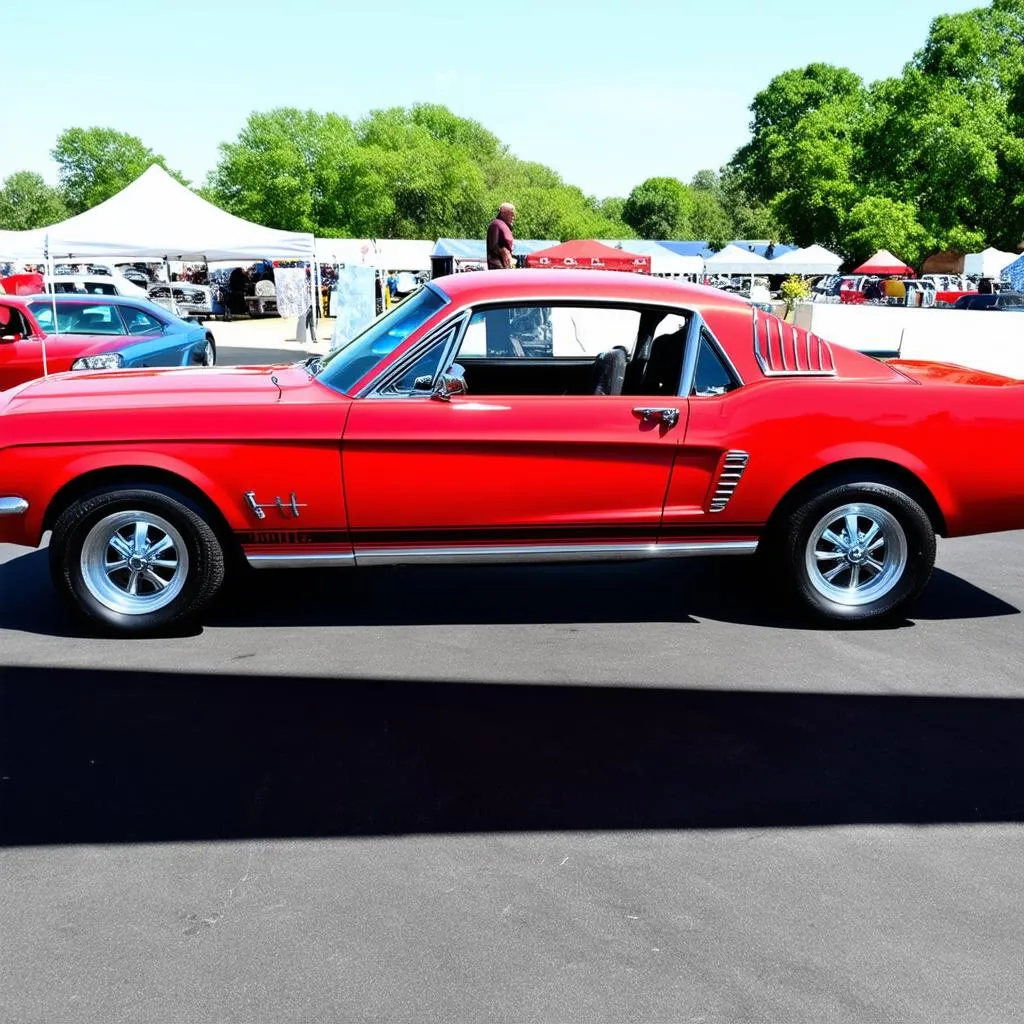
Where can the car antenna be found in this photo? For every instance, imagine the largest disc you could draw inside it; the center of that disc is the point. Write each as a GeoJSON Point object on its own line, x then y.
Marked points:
{"type": "Point", "coordinates": [273, 380]}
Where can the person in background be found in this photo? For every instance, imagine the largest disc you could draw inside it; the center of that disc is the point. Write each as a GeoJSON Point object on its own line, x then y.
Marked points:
{"type": "Point", "coordinates": [500, 240]}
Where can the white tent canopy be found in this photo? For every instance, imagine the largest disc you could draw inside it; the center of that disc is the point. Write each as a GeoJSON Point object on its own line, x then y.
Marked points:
{"type": "Point", "coordinates": [156, 216]}
{"type": "Point", "coordinates": [815, 259]}
{"type": "Point", "coordinates": [359, 251]}
{"type": "Point", "coordinates": [734, 260]}
{"type": "Point", "coordinates": [663, 261]}
{"type": "Point", "coordinates": [382, 253]}
{"type": "Point", "coordinates": [988, 263]}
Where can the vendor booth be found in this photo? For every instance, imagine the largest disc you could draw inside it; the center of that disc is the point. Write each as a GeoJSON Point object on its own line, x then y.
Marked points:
{"type": "Point", "coordinates": [588, 255]}
{"type": "Point", "coordinates": [664, 262]}
{"type": "Point", "coordinates": [457, 255]}
{"type": "Point", "coordinates": [988, 263]}
{"type": "Point", "coordinates": [884, 264]}
{"type": "Point", "coordinates": [158, 217]}
{"type": "Point", "coordinates": [815, 259]}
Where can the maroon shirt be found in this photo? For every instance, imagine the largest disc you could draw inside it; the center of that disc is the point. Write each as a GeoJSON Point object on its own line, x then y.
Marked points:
{"type": "Point", "coordinates": [499, 239]}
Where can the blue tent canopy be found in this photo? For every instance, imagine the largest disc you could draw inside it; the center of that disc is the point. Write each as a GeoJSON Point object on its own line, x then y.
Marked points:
{"type": "Point", "coordinates": [703, 250]}
{"type": "Point", "coordinates": [476, 248]}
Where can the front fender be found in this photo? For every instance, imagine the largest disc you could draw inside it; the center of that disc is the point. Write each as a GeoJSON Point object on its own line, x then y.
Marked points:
{"type": "Point", "coordinates": [48, 470]}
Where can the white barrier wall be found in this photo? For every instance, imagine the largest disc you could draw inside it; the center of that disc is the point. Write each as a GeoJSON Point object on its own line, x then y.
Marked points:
{"type": "Point", "coordinates": [980, 339]}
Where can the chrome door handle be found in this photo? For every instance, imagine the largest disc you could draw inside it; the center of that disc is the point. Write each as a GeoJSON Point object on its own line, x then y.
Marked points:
{"type": "Point", "coordinates": [668, 417]}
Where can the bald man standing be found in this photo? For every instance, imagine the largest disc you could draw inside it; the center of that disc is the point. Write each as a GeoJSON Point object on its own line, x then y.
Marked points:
{"type": "Point", "coordinates": [500, 240]}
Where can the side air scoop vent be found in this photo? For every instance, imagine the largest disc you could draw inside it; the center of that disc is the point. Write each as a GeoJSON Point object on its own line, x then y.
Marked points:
{"type": "Point", "coordinates": [784, 350]}
{"type": "Point", "coordinates": [734, 464]}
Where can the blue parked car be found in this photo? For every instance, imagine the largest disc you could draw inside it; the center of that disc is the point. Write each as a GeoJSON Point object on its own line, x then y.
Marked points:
{"type": "Point", "coordinates": [112, 331]}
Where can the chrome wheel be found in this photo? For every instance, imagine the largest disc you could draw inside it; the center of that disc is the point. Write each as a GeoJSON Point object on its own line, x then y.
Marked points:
{"type": "Point", "coordinates": [209, 355]}
{"type": "Point", "coordinates": [134, 562]}
{"type": "Point", "coordinates": [856, 554]}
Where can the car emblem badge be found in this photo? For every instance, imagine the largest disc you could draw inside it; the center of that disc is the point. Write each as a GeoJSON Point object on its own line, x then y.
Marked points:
{"type": "Point", "coordinates": [289, 509]}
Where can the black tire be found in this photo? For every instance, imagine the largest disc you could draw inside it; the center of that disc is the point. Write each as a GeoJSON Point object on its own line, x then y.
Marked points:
{"type": "Point", "coordinates": [194, 583]}
{"type": "Point", "coordinates": [859, 593]}
{"type": "Point", "coordinates": [208, 355]}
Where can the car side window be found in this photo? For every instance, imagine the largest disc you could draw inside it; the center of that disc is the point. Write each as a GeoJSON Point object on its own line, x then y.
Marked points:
{"type": "Point", "coordinates": [712, 376]}
{"type": "Point", "coordinates": [549, 332]}
{"type": "Point", "coordinates": [424, 368]}
{"type": "Point", "coordinates": [139, 322]}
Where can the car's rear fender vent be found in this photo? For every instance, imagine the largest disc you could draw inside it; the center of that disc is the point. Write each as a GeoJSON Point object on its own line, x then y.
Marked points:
{"type": "Point", "coordinates": [733, 466]}
{"type": "Point", "coordinates": [785, 350]}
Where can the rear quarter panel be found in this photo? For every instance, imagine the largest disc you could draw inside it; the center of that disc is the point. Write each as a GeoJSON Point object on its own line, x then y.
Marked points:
{"type": "Point", "coordinates": [965, 443]}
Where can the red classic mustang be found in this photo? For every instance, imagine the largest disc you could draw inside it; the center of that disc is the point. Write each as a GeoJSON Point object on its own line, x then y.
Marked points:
{"type": "Point", "coordinates": [516, 416]}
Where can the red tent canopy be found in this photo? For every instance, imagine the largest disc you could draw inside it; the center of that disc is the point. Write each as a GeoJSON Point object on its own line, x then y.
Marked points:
{"type": "Point", "coordinates": [581, 255]}
{"type": "Point", "coordinates": [883, 262]}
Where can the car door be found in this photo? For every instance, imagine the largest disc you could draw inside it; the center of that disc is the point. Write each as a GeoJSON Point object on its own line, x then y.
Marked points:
{"type": "Point", "coordinates": [150, 344]}
{"type": "Point", "coordinates": [21, 353]}
{"type": "Point", "coordinates": [511, 467]}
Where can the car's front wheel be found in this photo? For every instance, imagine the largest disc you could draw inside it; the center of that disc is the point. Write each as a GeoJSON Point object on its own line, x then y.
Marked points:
{"type": "Point", "coordinates": [136, 560]}
{"type": "Point", "coordinates": [859, 552]}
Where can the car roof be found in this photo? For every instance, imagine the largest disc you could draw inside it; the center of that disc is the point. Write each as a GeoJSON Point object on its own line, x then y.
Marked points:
{"type": "Point", "coordinates": [91, 300]}
{"type": "Point", "coordinates": [620, 286]}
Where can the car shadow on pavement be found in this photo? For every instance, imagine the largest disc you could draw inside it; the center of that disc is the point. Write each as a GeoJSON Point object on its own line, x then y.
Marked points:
{"type": "Point", "coordinates": [91, 756]}
{"type": "Point", "coordinates": [727, 590]}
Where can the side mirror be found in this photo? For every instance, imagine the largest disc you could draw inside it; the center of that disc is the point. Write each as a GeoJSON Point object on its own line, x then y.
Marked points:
{"type": "Point", "coordinates": [451, 383]}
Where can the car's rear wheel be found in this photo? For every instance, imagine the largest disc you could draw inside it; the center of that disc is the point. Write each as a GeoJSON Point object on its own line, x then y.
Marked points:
{"type": "Point", "coordinates": [859, 552]}
{"type": "Point", "coordinates": [136, 560]}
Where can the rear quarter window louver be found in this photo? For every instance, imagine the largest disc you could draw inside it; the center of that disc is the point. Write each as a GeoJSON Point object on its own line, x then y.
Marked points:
{"type": "Point", "coordinates": [784, 350]}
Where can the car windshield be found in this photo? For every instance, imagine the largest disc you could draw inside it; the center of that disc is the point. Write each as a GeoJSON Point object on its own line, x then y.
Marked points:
{"type": "Point", "coordinates": [345, 366]}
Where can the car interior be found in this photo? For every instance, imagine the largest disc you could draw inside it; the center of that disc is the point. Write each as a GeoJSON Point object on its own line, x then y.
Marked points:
{"type": "Point", "coordinates": [12, 325]}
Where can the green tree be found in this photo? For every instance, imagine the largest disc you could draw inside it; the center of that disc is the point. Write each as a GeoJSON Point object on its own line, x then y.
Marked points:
{"type": "Point", "coordinates": [97, 163]}
{"type": "Point", "coordinates": [418, 172]}
{"type": "Point", "coordinates": [706, 181]}
{"type": "Point", "coordinates": [877, 223]}
{"type": "Point", "coordinates": [660, 208]}
{"type": "Point", "coordinates": [287, 169]}
{"type": "Point", "coordinates": [26, 201]}
{"type": "Point", "coordinates": [748, 217]}
{"type": "Point", "coordinates": [779, 110]}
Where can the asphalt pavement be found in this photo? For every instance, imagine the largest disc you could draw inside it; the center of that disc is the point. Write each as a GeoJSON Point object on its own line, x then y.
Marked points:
{"type": "Point", "coordinates": [586, 793]}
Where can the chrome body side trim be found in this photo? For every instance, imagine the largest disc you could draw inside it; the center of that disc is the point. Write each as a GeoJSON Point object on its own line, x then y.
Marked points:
{"type": "Point", "coordinates": [12, 506]}
{"type": "Point", "coordinates": [504, 554]}
{"type": "Point", "coordinates": [298, 561]}
{"type": "Point", "coordinates": [492, 553]}
{"type": "Point", "coordinates": [733, 466]}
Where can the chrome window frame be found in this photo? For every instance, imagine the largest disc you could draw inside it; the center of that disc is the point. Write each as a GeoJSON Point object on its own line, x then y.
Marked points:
{"type": "Point", "coordinates": [377, 387]}
{"type": "Point", "coordinates": [692, 343]}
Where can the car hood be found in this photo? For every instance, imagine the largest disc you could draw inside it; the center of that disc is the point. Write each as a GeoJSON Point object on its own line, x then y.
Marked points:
{"type": "Point", "coordinates": [143, 407]}
{"type": "Point", "coordinates": [200, 386]}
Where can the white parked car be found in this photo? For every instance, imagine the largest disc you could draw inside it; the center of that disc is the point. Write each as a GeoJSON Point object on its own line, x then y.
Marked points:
{"type": "Point", "coordinates": [93, 284]}
{"type": "Point", "coordinates": [182, 297]}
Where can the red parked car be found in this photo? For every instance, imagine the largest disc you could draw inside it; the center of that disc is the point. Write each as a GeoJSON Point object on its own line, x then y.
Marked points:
{"type": "Point", "coordinates": [517, 416]}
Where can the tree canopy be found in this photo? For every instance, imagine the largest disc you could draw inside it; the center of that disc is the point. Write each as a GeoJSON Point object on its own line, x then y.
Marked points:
{"type": "Point", "coordinates": [96, 163]}
{"type": "Point", "coordinates": [26, 201]}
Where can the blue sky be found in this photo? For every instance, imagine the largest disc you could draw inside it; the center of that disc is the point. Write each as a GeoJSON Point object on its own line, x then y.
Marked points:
{"type": "Point", "coordinates": [608, 92]}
